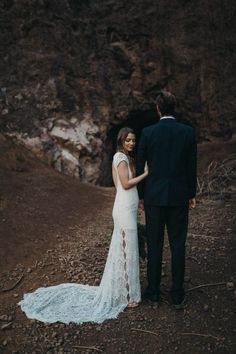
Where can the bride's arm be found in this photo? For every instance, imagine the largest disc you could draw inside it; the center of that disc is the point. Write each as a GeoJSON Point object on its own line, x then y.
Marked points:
{"type": "Point", "coordinates": [124, 176]}
{"type": "Point", "coordinates": [114, 176]}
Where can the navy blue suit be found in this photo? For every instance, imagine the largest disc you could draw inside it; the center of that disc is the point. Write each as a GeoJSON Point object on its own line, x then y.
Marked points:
{"type": "Point", "coordinates": [170, 150]}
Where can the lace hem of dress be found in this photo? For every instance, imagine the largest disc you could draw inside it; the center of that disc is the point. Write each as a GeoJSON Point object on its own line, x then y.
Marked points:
{"type": "Point", "coordinates": [125, 264]}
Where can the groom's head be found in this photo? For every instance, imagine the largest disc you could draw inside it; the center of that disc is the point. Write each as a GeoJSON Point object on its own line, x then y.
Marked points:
{"type": "Point", "coordinates": [165, 102]}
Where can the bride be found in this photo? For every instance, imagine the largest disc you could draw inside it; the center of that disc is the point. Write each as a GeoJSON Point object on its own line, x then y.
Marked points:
{"type": "Point", "coordinates": [120, 286]}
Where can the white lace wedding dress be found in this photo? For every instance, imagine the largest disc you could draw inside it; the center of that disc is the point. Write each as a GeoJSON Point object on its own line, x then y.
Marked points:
{"type": "Point", "coordinates": [71, 302]}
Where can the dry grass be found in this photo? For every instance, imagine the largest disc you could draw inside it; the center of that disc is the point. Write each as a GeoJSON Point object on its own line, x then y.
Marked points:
{"type": "Point", "coordinates": [219, 179]}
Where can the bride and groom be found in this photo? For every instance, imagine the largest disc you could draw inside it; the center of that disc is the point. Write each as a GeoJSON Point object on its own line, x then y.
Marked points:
{"type": "Point", "coordinates": [166, 181]}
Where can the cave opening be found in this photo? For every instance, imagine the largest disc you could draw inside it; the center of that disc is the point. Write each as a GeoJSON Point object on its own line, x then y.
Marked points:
{"type": "Point", "coordinates": [137, 120]}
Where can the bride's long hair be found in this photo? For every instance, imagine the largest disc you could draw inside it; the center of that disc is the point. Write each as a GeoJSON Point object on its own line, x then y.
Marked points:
{"type": "Point", "coordinates": [122, 135]}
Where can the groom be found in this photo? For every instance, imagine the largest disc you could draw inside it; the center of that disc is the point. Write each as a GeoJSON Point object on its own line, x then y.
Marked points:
{"type": "Point", "coordinates": [167, 194]}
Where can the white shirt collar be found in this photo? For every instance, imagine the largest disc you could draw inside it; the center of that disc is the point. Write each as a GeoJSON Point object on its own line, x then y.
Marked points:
{"type": "Point", "coordinates": [167, 117]}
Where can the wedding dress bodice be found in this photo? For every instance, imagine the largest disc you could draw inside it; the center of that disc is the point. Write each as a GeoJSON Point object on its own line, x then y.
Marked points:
{"type": "Point", "coordinates": [71, 302]}
{"type": "Point", "coordinates": [126, 200]}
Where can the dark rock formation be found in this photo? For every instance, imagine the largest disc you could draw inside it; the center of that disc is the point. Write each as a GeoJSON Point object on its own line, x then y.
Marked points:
{"type": "Point", "coordinates": [73, 72]}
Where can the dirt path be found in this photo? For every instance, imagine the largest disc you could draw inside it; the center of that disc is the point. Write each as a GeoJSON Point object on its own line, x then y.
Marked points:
{"type": "Point", "coordinates": [54, 230]}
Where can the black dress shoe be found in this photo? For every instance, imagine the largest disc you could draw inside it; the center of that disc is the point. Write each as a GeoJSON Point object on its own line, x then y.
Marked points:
{"type": "Point", "coordinates": [178, 301]}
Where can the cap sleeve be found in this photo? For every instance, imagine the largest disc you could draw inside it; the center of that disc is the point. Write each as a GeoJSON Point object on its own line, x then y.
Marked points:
{"type": "Point", "coordinates": [118, 157]}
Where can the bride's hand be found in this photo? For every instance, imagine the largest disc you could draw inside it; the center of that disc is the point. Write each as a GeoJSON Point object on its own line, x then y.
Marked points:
{"type": "Point", "coordinates": [146, 168]}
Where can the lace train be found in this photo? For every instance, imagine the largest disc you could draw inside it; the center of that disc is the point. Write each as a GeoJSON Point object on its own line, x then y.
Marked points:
{"type": "Point", "coordinates": [119, 286]}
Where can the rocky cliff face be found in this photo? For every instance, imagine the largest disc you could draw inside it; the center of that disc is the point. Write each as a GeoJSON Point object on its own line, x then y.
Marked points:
{"type": "Point", "coordinates": [73, 72]}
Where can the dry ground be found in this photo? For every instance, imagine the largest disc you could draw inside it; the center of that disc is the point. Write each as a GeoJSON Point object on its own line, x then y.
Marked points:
{"type": "Point", "coordinates": [53, 230]}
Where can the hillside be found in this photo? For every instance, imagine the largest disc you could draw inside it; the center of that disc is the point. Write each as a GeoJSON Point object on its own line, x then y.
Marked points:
{"type": "Point", "coordinates": [73, 72]}
{"type": "Point", "coordinates": [54, 229]}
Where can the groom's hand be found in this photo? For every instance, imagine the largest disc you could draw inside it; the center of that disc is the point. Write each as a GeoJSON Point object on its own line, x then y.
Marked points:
{"type": "Point", "coordinates": [192, 203]}
{"type": "Point", "coordinates": [141, 204]}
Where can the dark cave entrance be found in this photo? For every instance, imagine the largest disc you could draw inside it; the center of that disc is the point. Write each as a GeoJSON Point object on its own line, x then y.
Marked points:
{"type": "Point", "coordinates": [136, 120]}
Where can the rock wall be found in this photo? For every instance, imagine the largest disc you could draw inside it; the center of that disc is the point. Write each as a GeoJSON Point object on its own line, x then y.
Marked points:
{"type": "Point", "coordinates": [73, 72]}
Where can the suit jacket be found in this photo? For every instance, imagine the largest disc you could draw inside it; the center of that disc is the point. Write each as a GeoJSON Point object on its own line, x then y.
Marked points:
{"type": "Point", "coordinates": [170, 149]}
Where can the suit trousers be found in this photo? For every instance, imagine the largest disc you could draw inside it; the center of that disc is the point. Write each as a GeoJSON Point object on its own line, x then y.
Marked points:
{"type": "Point", "coordinates": [175, 218]}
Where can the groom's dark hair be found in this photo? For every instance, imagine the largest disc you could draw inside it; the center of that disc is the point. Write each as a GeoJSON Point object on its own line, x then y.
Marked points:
{"type": "Point", "coordinates": [166, 102]}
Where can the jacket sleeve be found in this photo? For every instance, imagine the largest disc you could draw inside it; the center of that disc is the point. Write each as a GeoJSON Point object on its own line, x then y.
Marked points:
{"type": "Point", "coordinates": [192, 166]}
{"type": "Point", "coordinates": [141, 158]}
